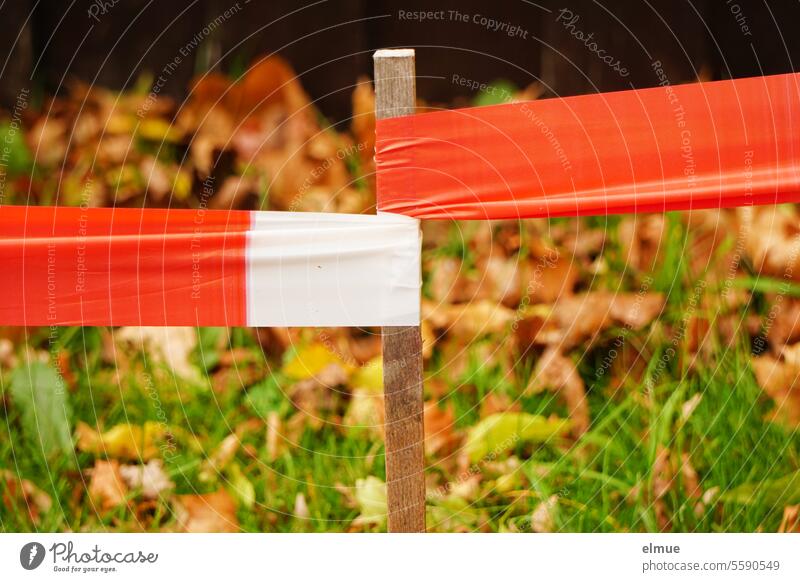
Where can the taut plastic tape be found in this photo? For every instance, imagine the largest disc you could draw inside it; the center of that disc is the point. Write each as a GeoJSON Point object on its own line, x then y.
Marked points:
{"type": "Point", "coordinates": [702, 145]}
{"type": "Point", "coordinates": [98, 266]}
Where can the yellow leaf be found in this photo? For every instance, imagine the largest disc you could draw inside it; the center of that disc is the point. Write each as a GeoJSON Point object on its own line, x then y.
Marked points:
{"type": "Point", "coordinates": [182, 185]}
{"type": "Point", "coordinates": [155, 129]}
{"type": "Point", "coordinates": [125, 441]}
{"type": "Point", "coordinates": [120, 124]}
{"type": "Point", "coordinates": [310, 360]}
{"type": "Point", "coordinates": [501, 432]}
{"type": "Point", "coordinates": [370, 375]}
{"type": "Point", "coordinates": [242, 488]}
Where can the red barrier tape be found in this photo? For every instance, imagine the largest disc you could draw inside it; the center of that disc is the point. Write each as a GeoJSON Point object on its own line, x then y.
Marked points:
{"type": "Point", "coordinates": [99, 266]}
{"type": "Point", "coordinates": [702, 145]}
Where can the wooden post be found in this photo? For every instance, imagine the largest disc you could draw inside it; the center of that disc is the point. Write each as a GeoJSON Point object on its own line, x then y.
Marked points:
{"type": "Point", "coordinates": [395, 95]}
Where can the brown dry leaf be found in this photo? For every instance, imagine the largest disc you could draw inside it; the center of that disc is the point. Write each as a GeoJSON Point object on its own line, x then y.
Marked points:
{"type": "Point", "coordinates": [171, 345]}
{"type": "Point", "coordinates": [495, 402]}
{"type": "Point", "coordinates": [772, 240]}
{"type": "Point", "coordinates": [20, 493]}
{"type": "Point", "coordinates": [498, 277]}
{"type": "Point", "coordinates": [363, 123]}
{"type": "Point", "coordinates": [543, 516]}
{"type": "Point", "coordinates": [552, 275]}
{"type": "Point", "coordinates": [781, 381]}
{"type": "Point", "coordinates": [691, 481]}
{"type": "Point", "coordinates": [363, 346]}
{"type": "Point", "coordinates": [469, 321]}
{"type": "Point", "coordinates": [642, 238]}
{"type": "Point", "coordinates": [428, 339]}
{"type": "Point", "coordinates": [274, 438]}
{"type": "Point", "coordinates": [270, 80]}
{"type": "Point", "coordinates": [784, 328]}
{"type": "Point", "coordinates": [440, 434]}
{"type": "Point", "coordinates": [791, 519]}
{"type": "Point", "coordinates": [319, 395]}
{"type": "Point", "coordinates": [150, 478]}
{"type": "Point", "coordinates": [581, 318]}
{"type": "Point", "coordinates": [207, 513]}
{"type": "Point", "coordinates": [558, 373]}
{"type": "Point", "coordinates": [234, 193]}
{"type": "Point", "coordinates": [448, 284]}
{"type": "Point", "coordinates": [107, 488]}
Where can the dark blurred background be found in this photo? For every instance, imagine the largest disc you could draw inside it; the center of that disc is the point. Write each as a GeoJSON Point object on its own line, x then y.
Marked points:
{"type": "Point", "coordinates": [329, 42]}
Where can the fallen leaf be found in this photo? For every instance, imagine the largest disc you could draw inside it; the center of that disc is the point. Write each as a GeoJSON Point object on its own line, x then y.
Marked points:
{"type": "Point", "coordinates": [20, 494]}
{"type": "Point", "coordinates": [369, 376]}
{"type": "Point", "coordinates": [558, 373]}
{"type": "Point", "coordinates": [543, 516]}
{"type": "Point", "coordinates": [781, 382]}
{"type": "Point", "coordinates": [366, 411]}
{"type": "Point", "coordinates": [641, 237]}
{"type": "Point", "coordinates": [126, 441]}
{"type": "Point", "coordinates": [771, 492]}
{"type": "Point", "coordinates": [771, 239]}
{"type": "Point", "coordinates": [301, 507]}
{"type": "Point", "coordinates": [274, 438]}
{"type": "Point", "coordinates": [150, 478]}
{"type": "Point", "coordinates": [500, 433]}
{"type": "Point", "coordinates": [663, 478]}
{"type": "Point", "coordinates": [211, 467]}
{"type": "Point", "coordinates": [317, 395]}
{"type": "Point", "coordinates": [370, 495]}
{"type": "Point", "coordinates": [440, 437]}
{"type": "Point", "coordinates": [40, 395]}
{"type": "Point", "coordinates": [107, 487]}
{"type": "Point", "coordinates": [308, 361]}
{"type": "Point", "coordinates": [791, 519]}
{"type": "Point", "coordinates": [207, 513]}
{"type": "Point", "coordinates": [785, 323]}
{"type": "Point", "coordinates": [581, 318]}
{"type": "Point", "coordinates": [171, 345]}
{"type": "Point", "coordinates": [47, 139]}
{"type": "Point", "coordinates": [479, 318]}
{"type": "Point", "coordinates": [551, 276]}
{"type": "Point", "coordinates": [242, 487]}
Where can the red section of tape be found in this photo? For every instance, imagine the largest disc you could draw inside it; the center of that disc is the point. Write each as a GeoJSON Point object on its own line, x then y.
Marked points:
{"type": "Point", "coordinates": [703, 145]}
{"type": "Point", "coordinates": [102, 266]}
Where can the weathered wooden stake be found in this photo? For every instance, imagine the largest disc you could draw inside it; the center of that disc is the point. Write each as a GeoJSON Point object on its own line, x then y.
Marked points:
{"type": "Point", "coordinates": [395, 95]}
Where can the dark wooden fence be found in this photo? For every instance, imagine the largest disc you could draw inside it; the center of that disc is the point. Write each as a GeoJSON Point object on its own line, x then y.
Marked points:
{"type": "Point", "coordinates": [572, 46]}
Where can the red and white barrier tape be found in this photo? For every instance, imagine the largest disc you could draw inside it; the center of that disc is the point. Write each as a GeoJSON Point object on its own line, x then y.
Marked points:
{"type": "Point", "coordinates": [98, 266]}
{"type": "Point", "coordinates": [703, 145]}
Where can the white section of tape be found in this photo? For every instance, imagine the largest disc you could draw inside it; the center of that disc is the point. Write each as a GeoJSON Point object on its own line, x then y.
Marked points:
{"type": "Point", "coordinates": [322, 269]}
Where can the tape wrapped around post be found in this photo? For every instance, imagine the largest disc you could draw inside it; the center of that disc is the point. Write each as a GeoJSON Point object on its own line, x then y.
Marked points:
{"type": "Point", "coordinates": [100, 266]}
{"type": "Point", "coordinates": [702, 145]}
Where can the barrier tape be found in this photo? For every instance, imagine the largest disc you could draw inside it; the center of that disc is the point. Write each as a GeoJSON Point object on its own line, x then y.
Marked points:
{"type": "Point", "coordinates": [105, 266]}
{"type": "Point", "coordinates": [702, 145]}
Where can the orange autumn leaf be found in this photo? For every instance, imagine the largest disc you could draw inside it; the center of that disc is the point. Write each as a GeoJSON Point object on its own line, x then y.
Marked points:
{"type": "Point", "coordinates": [208, 513]}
